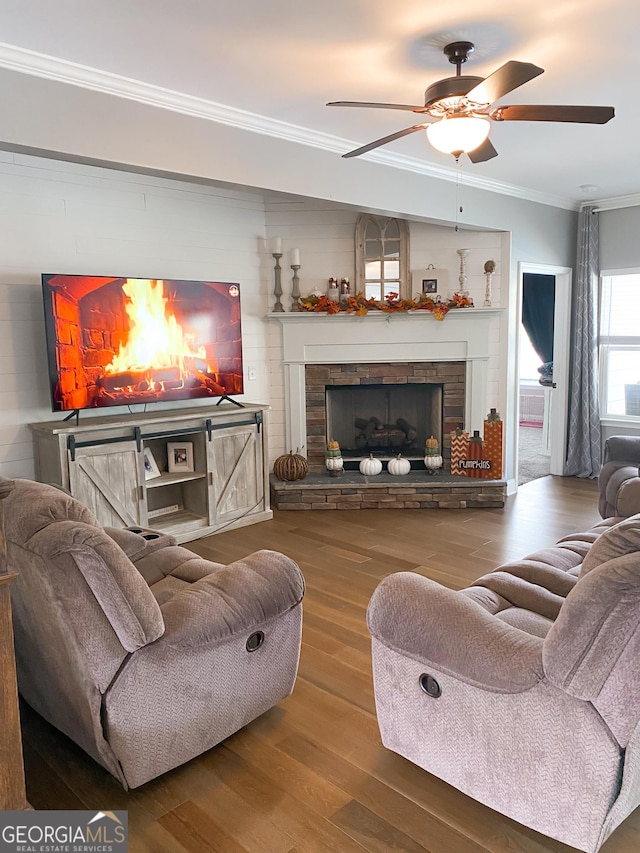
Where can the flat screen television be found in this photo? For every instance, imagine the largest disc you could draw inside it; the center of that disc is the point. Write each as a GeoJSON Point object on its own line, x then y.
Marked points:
{"type": "Point", "coordinates": [119, 341]}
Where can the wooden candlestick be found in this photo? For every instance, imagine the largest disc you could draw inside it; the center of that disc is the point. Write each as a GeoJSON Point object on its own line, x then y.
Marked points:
{"type": "Point", "coordinates": [277, 290]}
{"type": "Point", "coordinates": [295, 290]}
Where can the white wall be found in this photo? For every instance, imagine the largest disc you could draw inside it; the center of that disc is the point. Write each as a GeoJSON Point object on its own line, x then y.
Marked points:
{"type": "Point", "coordinates": [619, 244]}
{"type": "Point", "coordinates": [69, 218]}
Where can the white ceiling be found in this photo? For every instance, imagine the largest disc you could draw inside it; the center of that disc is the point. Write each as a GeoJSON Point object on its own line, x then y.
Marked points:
{"type": "Point", "coordinates": [283, 60]}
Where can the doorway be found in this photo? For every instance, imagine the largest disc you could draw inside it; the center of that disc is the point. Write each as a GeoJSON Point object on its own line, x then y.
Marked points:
{"type": "Point", "coordinates": [535, 376]}
{"type": "Point", "coordinates": [543, 356]}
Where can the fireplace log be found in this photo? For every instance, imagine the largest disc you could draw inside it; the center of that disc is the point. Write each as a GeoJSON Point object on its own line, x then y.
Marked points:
{"type": "Point", "coordinates": [370, 429]}
{"type": "Point", "coordinates": [115, 381]}
{"type": "Point", "coordinates": [388, 437]}
{"type": "Point", "coordinates": [397, 437]}
{"type": "Point", "coordinates": [410, 431]}
{"type": "Point", "coordinates": [212, 386]}
{"type": "Point", "coordinates": [164, 374]}
{"type": "Point", "coordinates": [379, 438]}
{"type": "Point", "coordinates": [376, 434]}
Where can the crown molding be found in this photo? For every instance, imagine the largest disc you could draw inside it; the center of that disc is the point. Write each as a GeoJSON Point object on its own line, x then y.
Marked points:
{"type": "Point", "coordinates": [36, 64]}
{"type": "Point", "coordinates": [613, 203]}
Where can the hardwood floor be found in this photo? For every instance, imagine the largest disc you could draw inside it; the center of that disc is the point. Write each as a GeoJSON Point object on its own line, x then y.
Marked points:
{"type": "Point", "coordinates": [311, 775]}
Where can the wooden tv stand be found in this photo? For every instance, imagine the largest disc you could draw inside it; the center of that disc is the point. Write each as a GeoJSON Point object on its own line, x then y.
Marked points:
{"type": "Point", "coordinates": [222, 484]}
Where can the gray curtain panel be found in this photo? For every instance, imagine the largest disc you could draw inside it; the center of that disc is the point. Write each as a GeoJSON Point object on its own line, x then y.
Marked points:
{"type": "Point", "coordinates": [584, 441]}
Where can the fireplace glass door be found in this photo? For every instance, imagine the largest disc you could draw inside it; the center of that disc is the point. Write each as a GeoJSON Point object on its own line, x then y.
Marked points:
{"type": "Point", "coordinates": [384, 419]}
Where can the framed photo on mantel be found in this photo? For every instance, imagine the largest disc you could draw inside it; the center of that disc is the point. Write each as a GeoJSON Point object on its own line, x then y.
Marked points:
{"type": "Point", "coordinates": [430, 282]}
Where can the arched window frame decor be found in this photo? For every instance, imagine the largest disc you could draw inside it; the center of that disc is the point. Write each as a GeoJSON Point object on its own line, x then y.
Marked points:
{"type": "Point", "coordinates": [371, 229]}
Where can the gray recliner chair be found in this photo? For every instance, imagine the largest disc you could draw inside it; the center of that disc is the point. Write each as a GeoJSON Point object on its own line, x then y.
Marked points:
{"type": "Point", "coordinates": [523, 690]}
{"type": "Point", "coordinates": [143, 653]}
{"type": "Point", "coordinates": [619, 478]}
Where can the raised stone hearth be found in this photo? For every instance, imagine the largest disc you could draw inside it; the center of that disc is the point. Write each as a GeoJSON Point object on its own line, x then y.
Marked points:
{"type": "Point", "coordinates": [417, 490]}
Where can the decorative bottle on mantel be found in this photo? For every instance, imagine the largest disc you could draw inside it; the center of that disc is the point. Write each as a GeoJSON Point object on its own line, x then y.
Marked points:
{"type": "Point", "coordinates": [345, 289]}
{"type": "Point", "coordinates": [459, 450]}
{"type": "Point", "coordinates": [333, 291]}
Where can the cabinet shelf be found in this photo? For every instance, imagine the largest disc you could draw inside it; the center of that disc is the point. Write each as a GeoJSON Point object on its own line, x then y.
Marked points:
{"type": "Point", "coordinates": [178, 523]}
{"type": "Point", "coordinates": [171, 479]}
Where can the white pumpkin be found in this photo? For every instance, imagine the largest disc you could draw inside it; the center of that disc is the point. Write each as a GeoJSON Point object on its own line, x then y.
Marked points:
{"type": "Point", "coordinates": [370, 467]}
{"type": "Point", "coordinates": [334, 463]}
{"type": "Point", "coordinates": [398, 466]}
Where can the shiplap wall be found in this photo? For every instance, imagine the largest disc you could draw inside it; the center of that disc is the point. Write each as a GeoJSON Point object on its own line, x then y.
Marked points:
{"type": "Point", "coordinates": [71, 218]}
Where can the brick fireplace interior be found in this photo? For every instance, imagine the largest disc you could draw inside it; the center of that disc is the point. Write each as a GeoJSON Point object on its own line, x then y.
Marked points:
{"type": "Point", "coordinates": [382, 408]}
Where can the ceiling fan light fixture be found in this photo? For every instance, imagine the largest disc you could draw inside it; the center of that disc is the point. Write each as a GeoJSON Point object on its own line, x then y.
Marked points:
{"type": "Point", "coordinates": [458, 134]}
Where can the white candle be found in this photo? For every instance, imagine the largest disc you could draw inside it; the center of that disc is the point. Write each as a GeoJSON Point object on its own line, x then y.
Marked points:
{"type": "Point", "coordinates": [295, 257]}
{"type": "Point", "coordinates": [276, 246]}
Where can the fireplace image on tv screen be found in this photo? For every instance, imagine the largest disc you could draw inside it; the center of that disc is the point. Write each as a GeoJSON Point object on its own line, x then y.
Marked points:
{"type": "Point", "coordinates": [118, 341]}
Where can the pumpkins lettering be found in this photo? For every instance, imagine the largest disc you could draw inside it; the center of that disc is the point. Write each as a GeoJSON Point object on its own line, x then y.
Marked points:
{"type": "Point", "coordinates": [291, 466]}
{"type": "Point", "coordinates": [370, 467]}
{"type": "Point", "coordinates": [398, 466]}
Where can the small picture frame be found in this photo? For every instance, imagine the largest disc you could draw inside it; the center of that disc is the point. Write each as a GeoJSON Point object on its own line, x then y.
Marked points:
{"type": "Point", "coordinates": [179, 456]}
{"type": "Point", "coordinates": [429, 282]}
{"type": "Point", "coordinates": [151, 469]}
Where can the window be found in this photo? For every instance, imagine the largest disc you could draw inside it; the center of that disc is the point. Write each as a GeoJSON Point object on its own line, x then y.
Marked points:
{"type": "Point", "coordinates": [382, 252]}
{"type": "Point", "coordinates": [620, 345]}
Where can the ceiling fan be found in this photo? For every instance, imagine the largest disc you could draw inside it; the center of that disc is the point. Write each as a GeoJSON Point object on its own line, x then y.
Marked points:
{"type": "Point", "coordinates": [458, 109]}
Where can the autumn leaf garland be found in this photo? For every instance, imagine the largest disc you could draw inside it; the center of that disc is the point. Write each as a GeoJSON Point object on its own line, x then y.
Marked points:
{"type": "Point", "coordinates": [359, 305]}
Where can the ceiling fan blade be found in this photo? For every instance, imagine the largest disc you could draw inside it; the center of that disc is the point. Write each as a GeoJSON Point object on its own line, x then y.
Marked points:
{"type": "Point", "coordinates": [411, 107]}
{"type": "Point", "coordinates": [507, 78]}
{"type": "Point", "coordinates": [556, 112]}
{"type": "Point", "coordinates": [385, 139]}
{"type": "Point", "coordinates": [484, 151]}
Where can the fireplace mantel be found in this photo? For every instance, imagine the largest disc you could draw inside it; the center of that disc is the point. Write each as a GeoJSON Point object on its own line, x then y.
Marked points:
{"type": "Point", "coordinates": [465, 334]}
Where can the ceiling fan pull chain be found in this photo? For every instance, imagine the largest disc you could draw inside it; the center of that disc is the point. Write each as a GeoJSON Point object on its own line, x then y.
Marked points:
{"type": "Point", "coordinates": [459, 207]}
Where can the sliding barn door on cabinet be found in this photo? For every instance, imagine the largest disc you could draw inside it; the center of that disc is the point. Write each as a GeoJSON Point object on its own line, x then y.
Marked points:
{"type": "Point", "coordinates": [236, 474]}
{"type": "Point", "coordinates": [107, 481]}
